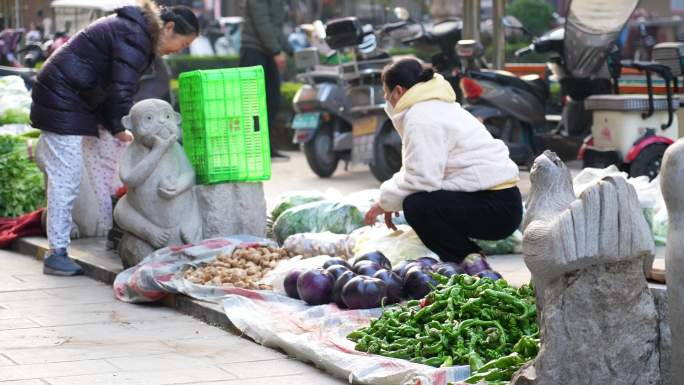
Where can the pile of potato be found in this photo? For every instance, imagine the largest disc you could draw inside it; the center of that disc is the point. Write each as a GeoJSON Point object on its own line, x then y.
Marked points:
{"type": "Point", "coordinates": [244, 268]}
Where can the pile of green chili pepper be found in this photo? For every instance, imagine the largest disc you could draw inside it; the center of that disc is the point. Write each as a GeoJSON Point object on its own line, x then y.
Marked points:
{"type": "Point", "coordinates": [486, 324]}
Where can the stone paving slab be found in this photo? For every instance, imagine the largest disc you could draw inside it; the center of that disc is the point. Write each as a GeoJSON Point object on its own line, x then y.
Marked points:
{"type": "Point", "coordinates": [101, 341]}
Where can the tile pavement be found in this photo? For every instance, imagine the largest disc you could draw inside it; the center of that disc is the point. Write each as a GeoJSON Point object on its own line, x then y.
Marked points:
{"type": "Point", "coordinates": [72, 331]}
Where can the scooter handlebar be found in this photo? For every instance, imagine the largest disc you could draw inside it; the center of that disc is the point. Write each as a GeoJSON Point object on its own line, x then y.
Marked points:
{"type": "Point", "coordinates": [524, 51]}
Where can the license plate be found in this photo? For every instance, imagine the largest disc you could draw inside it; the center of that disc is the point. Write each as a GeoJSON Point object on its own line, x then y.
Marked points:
{"type": "Point", "coordinates": [364, 126]}
{"type": "Point", "coordinates": [308, 121]}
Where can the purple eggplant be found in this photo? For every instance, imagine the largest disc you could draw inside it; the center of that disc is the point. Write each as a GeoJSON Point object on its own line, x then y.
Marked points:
{"type": "Point", "coordinates": [336, 261]}
{"type": "Point", "coordinates": [475, 263]}
{"type": "Point", "coordinates": [393, 283]}
{"type": "Point", "coordinates": [417, 282]}
{"type": "Point", "coordinates": [291, 283]}
{"type": "Point", "coordinates": [339, 285]}
{"type": "Point", "coordinates": [336, 270]}
{"type": "Point", "coordinates": [489, 274]}
{"type": "Point", "coordinates": [403, 266]}
{"type": "Point", "coordinates": [427, 261]}
{"type": "Point", "coordinates": [377, 257]}
{"type": "Point", "coordinates": [315, 286]}
{"type": "Point", "coordinates": [363, 293]}
{"type": "Point", "coordinates": [367, 268]}
{"type": "Point", "coordinates": [447, 269]}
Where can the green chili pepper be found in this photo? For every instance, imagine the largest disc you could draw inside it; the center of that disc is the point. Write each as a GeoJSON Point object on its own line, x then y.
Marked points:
{"type": "Point", "coordinates": [356, 335]}
{"type": "Point", "coordinates": [448, 362]}
{"type": "Point", "coordinates": [413, 303]}
{"type": "Point", "coordinates": [474, 361]}
{"type": "Point", "coordinates": [403, 353]}
{"type": "Point", "coordinates": [431, 350]}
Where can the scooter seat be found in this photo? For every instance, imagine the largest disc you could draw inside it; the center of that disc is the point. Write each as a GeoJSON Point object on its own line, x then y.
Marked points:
{"type": "Point", "coordinates": [537, 85]}
{"type": "Point", "coordinates": [628, 103]}
{"type": "Point", "coordinates": [530, 83]}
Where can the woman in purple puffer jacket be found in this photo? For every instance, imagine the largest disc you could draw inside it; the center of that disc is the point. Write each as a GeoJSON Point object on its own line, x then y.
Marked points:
{"type": "Point", "coordinates": [89, 81]}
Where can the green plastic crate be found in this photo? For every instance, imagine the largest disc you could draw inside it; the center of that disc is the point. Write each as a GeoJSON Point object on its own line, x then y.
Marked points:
{"type": "Point", "coordinates": [225, 124]}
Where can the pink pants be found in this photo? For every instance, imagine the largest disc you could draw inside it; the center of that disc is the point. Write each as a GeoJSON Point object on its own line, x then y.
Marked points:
{"type": "Point", "coordinates": [101, 158]}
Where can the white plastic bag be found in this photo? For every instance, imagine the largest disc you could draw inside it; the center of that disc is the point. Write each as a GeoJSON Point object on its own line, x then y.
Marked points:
{"type": "Point", "coordinates": [397, 246]}
{"type": "Point", "coordinates": [312, 244]}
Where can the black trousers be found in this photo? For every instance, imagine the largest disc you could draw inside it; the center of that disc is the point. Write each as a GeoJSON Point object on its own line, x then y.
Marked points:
{"type": "Point", "coordinates": [253, 57]}
{"type": "Point", "coordinates": [446, 220]}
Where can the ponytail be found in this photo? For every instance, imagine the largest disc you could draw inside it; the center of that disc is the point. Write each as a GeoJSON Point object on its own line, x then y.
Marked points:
{"type": "Point", "coordinates": [185, 21]}
{"type": "Point", "coordinates": [406, 73]}
{"type": "Point", "coordinates": [426, 75]}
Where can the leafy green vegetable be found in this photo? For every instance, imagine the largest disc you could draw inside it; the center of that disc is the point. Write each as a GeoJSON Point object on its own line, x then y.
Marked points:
{"type": "Point", "coordinates": [316, 217]}
{"type": "Point", "coordinates": [15, 116]}
{"type": "Point", "coordinates": [294, 199]}
{"type": "Point", "coordinates": [510, 245]}
{"type": "Point", "coordinates": [22, 188]}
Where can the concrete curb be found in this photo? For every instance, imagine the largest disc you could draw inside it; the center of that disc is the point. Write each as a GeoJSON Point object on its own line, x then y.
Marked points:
{"type": "Point", "coordinates": [106, 270]}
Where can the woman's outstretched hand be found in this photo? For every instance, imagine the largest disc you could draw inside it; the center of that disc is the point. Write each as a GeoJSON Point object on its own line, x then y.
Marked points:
{"type": "Point", "coordinates": [375, 211]}
{"type": "Point", "coordinates": [124, 136]}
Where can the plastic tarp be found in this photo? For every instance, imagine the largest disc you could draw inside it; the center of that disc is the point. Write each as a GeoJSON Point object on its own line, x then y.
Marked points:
{"type": "Point", "coordinates": [161, 272]}
{"type": "Point", "coordinates": [315, 334]}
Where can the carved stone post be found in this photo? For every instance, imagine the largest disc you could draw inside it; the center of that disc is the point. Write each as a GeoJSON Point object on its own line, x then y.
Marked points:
{"type": "Point", "coordinates": [598, 320]}
{"type": "Point", "coordinates": [672, 185]}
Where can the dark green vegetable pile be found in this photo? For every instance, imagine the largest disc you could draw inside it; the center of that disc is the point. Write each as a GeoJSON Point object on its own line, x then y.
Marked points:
{"type": "Point", "coordinates": [486, 324]}
{"type": "Point", "coordinates": [22, 189]}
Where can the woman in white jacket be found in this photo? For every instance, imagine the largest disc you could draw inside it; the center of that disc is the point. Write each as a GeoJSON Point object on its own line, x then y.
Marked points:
{"type": "Point", "coordinates": [457, 182]}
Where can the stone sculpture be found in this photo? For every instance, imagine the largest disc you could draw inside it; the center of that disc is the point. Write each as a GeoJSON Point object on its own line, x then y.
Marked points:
{"type": "Point", "coordinates": [160, 207]}
{"type": "Point", "coordinates": [598, 319]}
{"type": "Point", "coordinates": [671, 183]}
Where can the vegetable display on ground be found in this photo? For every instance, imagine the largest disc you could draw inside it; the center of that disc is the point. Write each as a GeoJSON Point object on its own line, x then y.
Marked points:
{"type": "Point", "coordinates": [464, 320]}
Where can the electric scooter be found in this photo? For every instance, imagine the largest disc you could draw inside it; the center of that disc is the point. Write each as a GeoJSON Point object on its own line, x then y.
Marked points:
{"type": "Point", "coordinates": [514, 109]}
{"type": "Point", "coordinates": [633, 131]}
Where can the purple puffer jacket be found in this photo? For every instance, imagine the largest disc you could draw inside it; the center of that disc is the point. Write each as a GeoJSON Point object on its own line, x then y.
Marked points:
{"type": "Point", "coordinates": [92, 78]}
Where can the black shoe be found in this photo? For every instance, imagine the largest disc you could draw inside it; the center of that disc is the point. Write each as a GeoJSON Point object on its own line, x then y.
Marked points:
{"type": "Point", "coordinates": [59, 263]}
{"type": "Point", "coordinates": [277, 156]}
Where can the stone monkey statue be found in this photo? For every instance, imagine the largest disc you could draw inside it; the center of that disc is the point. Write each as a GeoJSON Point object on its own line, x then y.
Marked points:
{"type": "Point", "coordinates": [160, 207]}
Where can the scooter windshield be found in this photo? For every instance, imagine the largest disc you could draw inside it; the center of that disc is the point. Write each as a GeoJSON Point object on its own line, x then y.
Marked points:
{"type": "Point", "coordinates": [592, 27]}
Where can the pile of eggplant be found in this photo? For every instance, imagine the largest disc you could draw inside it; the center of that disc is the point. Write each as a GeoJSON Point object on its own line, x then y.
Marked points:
{"type": "Point", "coordinates": [367, 282]}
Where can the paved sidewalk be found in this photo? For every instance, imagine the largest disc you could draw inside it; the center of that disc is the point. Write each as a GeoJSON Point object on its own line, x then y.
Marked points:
{"type": "Point", "coordinates": [72, 331]}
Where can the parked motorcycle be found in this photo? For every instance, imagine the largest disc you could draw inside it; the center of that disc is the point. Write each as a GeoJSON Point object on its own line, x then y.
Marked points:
{"type": "Point", "coordinates": [340, 107]}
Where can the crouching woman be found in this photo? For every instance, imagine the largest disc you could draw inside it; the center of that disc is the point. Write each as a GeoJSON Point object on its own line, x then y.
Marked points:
{"type": "Point", "coordinates": [457, 182]}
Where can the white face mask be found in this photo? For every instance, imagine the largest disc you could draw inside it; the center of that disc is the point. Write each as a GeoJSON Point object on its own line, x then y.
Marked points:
{"type": "Point", "coordinates": [389, 110]}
